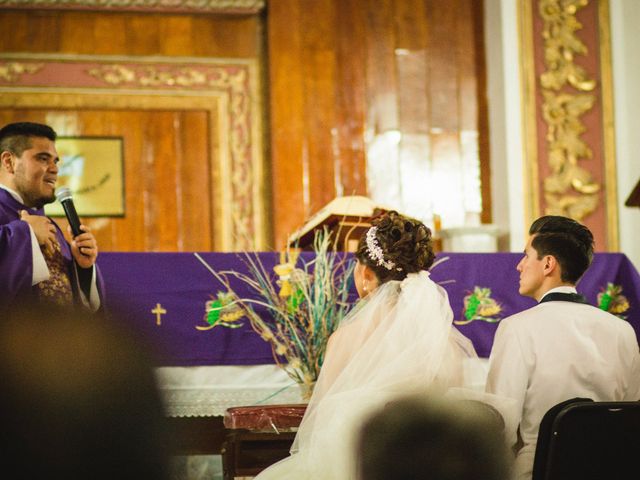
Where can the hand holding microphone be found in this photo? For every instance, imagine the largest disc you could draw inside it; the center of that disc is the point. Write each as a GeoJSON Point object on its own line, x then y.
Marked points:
{"type": "Point", "coordinates": [63, 195]}
{"type": "Point", "coordinates": [83, 245]}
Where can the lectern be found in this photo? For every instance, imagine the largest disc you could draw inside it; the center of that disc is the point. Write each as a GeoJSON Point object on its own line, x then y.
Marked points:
{"type": "Point", "coordinates": [634, 198]}
{"type": "Point", "coordinates": [347, 218]}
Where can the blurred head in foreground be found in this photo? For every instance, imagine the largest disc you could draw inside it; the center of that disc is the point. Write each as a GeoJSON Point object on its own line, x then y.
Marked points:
{"type": "Point", "coordinates": [79, 399]}
{"type": "Point", "coordinates": [417, 438]}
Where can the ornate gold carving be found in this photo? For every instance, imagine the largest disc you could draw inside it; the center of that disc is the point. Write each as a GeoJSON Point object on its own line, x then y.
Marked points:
{"type": "Point", "coordinates": [13, 71]}
{"type": "Point", "coordinates": [150, 76]}
{"type": "Point", "coordinates": [220, 6]}
{"type": "Point", "coordinates": [570, 189]}
{"type": "Point", "coordinates": [114, 74]}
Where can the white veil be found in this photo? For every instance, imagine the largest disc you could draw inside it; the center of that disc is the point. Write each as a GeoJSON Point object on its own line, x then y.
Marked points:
{"type": "Point", "coordinates": [399, 340]}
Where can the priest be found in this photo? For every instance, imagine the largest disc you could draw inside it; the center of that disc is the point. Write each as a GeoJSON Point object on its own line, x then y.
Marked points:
{"type": "Point", "coordinates": [36, 261]}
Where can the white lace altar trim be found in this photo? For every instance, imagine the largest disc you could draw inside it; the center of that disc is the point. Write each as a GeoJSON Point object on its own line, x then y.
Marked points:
{"type": "Point", "coordinates": [209, 391]}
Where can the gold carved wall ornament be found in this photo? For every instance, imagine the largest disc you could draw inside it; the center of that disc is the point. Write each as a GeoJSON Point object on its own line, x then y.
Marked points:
{"type": "Point", "coordinates": [569, 189]}
{"type": "Point", "coordinates": [13, 71]}
{"type": "Point", "coordinates": [150, 76]}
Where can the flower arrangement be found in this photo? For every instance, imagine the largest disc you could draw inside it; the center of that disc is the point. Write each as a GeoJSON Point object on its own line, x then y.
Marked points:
{"type": "Point", "coordinates": [305, 301]}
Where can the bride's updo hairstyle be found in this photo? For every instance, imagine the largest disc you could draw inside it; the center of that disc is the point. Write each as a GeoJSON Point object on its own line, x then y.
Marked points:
{"type": "Point", "coordinates": [395, 246]}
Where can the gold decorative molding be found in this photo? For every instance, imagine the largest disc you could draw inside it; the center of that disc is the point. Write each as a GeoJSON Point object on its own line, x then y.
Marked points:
{"type": "Point", "coordinates": [529, 127]}
{"type": "Point", "coordinates": [228, 90]}
{"type": "Point", "coordinates": [568, 130]}
{"type": "Point", "coordinates": [608, 130]}
{"type": "Point", "coordinates": [570, 189]}
{"type": "Point", "coordinates": [151, 76]}
{"type": "Point", "coordinates": [13, 71]}
{"type": "Point", "coordinates": [210, 6]}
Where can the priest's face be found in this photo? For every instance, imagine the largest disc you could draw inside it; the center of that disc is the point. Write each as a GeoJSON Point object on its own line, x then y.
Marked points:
{"type": "Point", "coordinates": [36, 173]}
{"type": "Point", "coordinates": [531, 270]}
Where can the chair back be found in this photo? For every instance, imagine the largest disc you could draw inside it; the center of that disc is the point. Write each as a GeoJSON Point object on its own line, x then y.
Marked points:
{"type": "Point", "coordinates": [583, 439]}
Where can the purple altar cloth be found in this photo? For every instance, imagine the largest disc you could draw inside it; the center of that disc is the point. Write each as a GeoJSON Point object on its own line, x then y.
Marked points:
{"type": "Point", "coordinates": [176, 286]}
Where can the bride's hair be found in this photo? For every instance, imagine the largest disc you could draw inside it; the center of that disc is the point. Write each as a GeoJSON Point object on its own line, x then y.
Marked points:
{"type": "Point", "coordinates": [395, 246]}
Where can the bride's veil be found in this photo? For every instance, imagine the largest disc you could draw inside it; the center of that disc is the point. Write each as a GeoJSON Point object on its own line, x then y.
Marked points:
{"type": "Point", "coordinates": [399, 340]}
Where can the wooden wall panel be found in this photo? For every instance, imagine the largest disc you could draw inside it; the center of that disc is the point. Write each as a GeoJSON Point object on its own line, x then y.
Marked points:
{"type": "Point", "coordinates": [343, 73]}
{"type": "Point", "coordinates": [166, 176]}
{"type": "Point", "coordinates": [104, 33]}
{"type": "Point", "coordinates": [340, 73]}
{"type": "Point", "coordinates": [171, 190]}
{"type": "Point", "coordinates": [443, 54]}
{"type": "Point", "coordinates": [289, 152]}
{"type": "Point", "coordinates": [320, 87]}
{"type": "Point", "coordinates": [381, 87]}
{"type": "Point", "coordinates": [350, 127]}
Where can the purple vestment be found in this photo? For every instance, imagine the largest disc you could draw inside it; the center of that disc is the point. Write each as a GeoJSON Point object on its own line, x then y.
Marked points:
{"type": "Point", "coordinates": [16, 257]}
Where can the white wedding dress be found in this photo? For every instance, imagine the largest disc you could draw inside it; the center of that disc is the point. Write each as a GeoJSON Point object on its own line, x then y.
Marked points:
{"type": "Point", "coordinates": [397, 341]}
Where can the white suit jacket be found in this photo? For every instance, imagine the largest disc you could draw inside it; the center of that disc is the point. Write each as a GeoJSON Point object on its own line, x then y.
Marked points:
{"type": "Point", "coordinates": [559, 350]}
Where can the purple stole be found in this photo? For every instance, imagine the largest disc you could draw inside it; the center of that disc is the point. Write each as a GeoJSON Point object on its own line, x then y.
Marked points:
{"type": "Point", "coordinates": [16, 259]}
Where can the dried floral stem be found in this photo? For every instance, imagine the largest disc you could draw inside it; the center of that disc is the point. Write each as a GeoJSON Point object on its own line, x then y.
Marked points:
{"type": "Point", "coordinates": [297, 324]}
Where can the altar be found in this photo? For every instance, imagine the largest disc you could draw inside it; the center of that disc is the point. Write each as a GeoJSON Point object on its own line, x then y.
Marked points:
{"type": "Point", "coordinates": [203, 369]}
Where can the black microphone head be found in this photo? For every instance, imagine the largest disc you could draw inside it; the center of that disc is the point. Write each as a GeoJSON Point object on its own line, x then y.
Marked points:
{"type": "Point", "coordinates": [63, 193]}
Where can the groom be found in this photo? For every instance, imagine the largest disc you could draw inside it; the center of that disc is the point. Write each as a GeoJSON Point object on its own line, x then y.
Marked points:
{"type": "Point", "coordinates": [562, 348]}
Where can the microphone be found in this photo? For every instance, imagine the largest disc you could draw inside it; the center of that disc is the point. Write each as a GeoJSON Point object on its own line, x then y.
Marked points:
{"type": "Point", "coordinates": [63, 195]}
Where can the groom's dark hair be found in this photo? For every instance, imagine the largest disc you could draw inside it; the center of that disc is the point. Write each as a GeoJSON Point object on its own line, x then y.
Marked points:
{"type": "Point", "coordinates": [570, 242]}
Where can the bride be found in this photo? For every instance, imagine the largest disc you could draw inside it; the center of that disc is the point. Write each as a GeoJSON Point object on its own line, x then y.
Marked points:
{"type": "Point", "coordinates": [397, 340]}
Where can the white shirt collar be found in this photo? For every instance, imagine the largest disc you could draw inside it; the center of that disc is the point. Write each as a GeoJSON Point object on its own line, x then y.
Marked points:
{"type": "Point", "coordinates": [13, 193]}
{"type": "Point", "coordinates": [561, 289]}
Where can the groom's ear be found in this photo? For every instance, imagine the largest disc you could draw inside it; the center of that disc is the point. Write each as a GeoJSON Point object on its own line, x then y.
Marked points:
{"type": "Point", "coordinates": [550, 265]}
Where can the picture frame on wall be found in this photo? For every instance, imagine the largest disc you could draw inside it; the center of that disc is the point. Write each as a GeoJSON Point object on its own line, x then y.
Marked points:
{"type": "Point", "coordinates": [93, 169]}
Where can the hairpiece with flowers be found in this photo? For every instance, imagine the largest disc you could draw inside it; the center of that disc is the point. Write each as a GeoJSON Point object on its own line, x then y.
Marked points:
{"type": "Point", "coordinates": [374, 250]}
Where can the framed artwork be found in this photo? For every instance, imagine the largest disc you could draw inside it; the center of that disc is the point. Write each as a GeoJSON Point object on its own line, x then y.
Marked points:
{"type": "Point", "coordinates": [92, 168]}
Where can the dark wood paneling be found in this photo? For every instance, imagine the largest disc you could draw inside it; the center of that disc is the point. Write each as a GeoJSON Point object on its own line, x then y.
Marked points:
{"type": "Point", "coordinates": [166, 176]}
{"type": "Point", "coordinates": [351, 101]}
{"type": "Point", "coordinates": [342, 71]}
{"type": "Point", "coordinates": [339, 72]}
{"type": "Point", "coordinates": [320, 85]}
{"type": "Point", "coordinates": [167, 154]}
{"type": "Point", "coordinates": [289, 157]}
{"type": "Point", "coordinates": [94, 33]}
